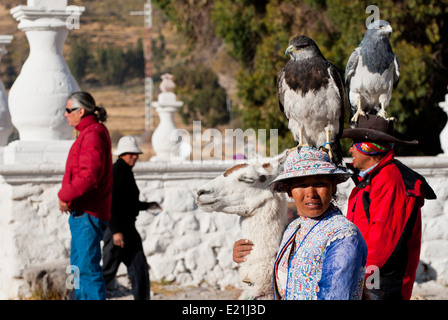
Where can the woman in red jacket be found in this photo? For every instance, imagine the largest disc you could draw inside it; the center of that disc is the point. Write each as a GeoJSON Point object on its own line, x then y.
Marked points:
{"type": "Point", "coordinates": [86, 193]}
{"type": "Point", "coordinates": [386, 207]}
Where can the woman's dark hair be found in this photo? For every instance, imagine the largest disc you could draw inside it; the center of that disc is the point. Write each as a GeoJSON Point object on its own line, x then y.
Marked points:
{"type": "Point", "coordinates": [86, 101]}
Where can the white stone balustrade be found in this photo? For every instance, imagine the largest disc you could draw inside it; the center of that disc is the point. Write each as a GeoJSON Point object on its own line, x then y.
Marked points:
{"type": "Point", "coordinates": [182, 243]}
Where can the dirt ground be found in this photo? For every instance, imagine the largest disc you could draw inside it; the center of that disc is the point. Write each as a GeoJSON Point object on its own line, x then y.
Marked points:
{"type": "Point", "coordinates": [175, 292]}
{"type": "Point", "coordinates": [430, 290]}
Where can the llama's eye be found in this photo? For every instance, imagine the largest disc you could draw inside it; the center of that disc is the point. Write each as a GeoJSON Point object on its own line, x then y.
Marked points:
{"type": "Point", "coordinates": [262, 178]}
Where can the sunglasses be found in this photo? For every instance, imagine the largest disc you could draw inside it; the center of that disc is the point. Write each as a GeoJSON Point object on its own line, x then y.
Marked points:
{"type": "Point", "coordinates": [70, 110]}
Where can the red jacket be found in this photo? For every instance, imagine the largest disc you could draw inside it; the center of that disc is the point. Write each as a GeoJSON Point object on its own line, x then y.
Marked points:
{"type": "Point", "coordinates": [87, 182]}
{"type": "Point", "coordinates": [386, 207]}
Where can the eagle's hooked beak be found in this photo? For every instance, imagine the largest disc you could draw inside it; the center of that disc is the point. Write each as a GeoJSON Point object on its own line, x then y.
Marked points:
{"type": "Point", "coordinates": [289, 50]}
{"type": "Point", "coordinates": [389, 29]}
{"type": "Point", "coordinates": [386, 29]}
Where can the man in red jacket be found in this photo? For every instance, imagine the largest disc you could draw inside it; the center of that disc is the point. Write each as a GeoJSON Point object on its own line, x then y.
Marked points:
{"type": "Point", "coordinates": [386, 207]}
{"type": "Point", "coordinates": [86, 193]}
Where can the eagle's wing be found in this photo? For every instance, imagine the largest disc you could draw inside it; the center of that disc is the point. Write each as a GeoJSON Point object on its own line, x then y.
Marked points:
{"type": "Point", "coordinates": [280, 90]}
{"type": "Point", "coordinates": [337, 78]}
{"type": "Point", "coordinates": [336, 145]}
{"type": "Point", "coordinates": [350, 71]}
{"type": "Point", "coordinates": [396, 72]}
{"type": "Point", "coordinates": [350, 68]}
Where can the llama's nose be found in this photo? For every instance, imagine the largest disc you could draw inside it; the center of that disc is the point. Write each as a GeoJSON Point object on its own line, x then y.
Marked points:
{"type": "Point", "coordinates": [202, 191]}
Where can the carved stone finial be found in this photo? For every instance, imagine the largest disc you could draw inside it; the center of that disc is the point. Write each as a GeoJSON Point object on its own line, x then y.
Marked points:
{"type": "Point", "coordinates": [38, 97]}
{"type": "Point", "coordinates": [167, 84]}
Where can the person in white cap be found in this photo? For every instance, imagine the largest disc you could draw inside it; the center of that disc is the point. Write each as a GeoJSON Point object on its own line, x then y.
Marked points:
{"type": "Point", "coordinates": [122, 242]}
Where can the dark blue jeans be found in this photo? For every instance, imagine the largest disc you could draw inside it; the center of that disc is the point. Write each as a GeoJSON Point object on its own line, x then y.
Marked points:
{"type": "Point", "coordinates": [85, 255]}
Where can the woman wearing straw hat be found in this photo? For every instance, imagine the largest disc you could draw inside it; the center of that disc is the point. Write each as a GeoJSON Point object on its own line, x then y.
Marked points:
{"type": "Point", "coordinates": [322, 254]}
{"type": "Point", "coordinates": [122, 242]}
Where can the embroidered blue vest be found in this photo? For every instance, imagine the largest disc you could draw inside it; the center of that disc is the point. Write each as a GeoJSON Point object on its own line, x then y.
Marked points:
{"type": "Point", "coordinates": [305, 262]}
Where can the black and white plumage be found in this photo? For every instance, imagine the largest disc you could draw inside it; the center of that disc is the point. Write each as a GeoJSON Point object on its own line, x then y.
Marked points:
{"type": "Point", "coordinates": [372, 72]}
{"type": "Point", "coordinates": [311, 94]}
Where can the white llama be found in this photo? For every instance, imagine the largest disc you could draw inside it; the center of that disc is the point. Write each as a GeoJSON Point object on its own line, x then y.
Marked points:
{"type": "Point", "coordinates": [242, 190]}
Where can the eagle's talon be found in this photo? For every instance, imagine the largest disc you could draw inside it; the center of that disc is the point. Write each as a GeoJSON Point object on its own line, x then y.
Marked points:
{"type": "Point", "coordinates": [382, 113]}
{"type": "Point", "coordinates": [327, 148]}
{"type": "Point", "coordinates": [358, 113]}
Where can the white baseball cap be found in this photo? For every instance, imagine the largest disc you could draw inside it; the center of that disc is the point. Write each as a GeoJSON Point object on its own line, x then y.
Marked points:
{"type": "Point", "coordinates": [127, 144]}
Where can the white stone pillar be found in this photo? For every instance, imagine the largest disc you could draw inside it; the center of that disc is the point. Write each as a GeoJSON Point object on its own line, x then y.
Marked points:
{"type": "Point", "coordinates": [166, 107]}
{"type": "Point", "coordinates": [444, 133]}
{"type": "Point", "coordinates": [38, 97]}
{"type": "Point", "coordinates": [6, 126]}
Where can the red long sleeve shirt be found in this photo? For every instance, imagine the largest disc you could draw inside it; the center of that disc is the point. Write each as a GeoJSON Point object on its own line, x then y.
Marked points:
{"type": "Point", "coordinates": [386, 207]}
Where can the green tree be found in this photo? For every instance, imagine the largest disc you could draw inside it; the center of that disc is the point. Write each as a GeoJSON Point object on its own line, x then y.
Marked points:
{"type": "Point", "coordinates": [110, 65]}
{"type": "Point", "coordinates": [134, 61]}
{"type": "Point", "coordinates": [420, 41]}
{"type": "Point", "coordinates": [238, 23]}
{"type": "Point", "coordinates": [80, 59]}
{"type": "Point", "coordinates": [203, 98]}
{"type": "Point", "coordinates": [158, 53]}
{"type": "Point", "coordinates": [258, 32]}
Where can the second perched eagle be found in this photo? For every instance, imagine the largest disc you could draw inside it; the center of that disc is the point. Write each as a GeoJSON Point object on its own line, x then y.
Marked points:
{"type": "Point", "coordinates": [311, 94]}
{"type": "Point", "coordinates": [372, 72]}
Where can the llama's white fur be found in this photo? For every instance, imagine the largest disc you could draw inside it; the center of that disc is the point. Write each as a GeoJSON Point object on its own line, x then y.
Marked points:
{"type": "Point", "coordinates": [242, 190]}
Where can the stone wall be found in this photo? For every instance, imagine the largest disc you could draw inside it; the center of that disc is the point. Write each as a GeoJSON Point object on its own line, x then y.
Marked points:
{"type": "Point", "coordinates": [182, 243]}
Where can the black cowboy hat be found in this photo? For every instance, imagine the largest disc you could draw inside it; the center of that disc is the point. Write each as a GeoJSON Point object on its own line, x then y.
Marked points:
{"type": "Point", "coordinates": [375, 129]}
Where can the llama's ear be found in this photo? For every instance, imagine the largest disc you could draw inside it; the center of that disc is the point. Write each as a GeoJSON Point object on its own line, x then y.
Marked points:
{"type": "Point", "coordinates": [253, 155]}
{"type": "Point", "coordinates": [281, 158]}
{"type": "Point", "coordinates": [277, 162]}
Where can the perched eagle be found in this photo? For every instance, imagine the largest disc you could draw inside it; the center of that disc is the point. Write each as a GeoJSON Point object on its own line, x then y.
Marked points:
{"type": "Point", "coordinates": [311, 94]}
{"type": "Point", "coordinates": [372, 72]}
